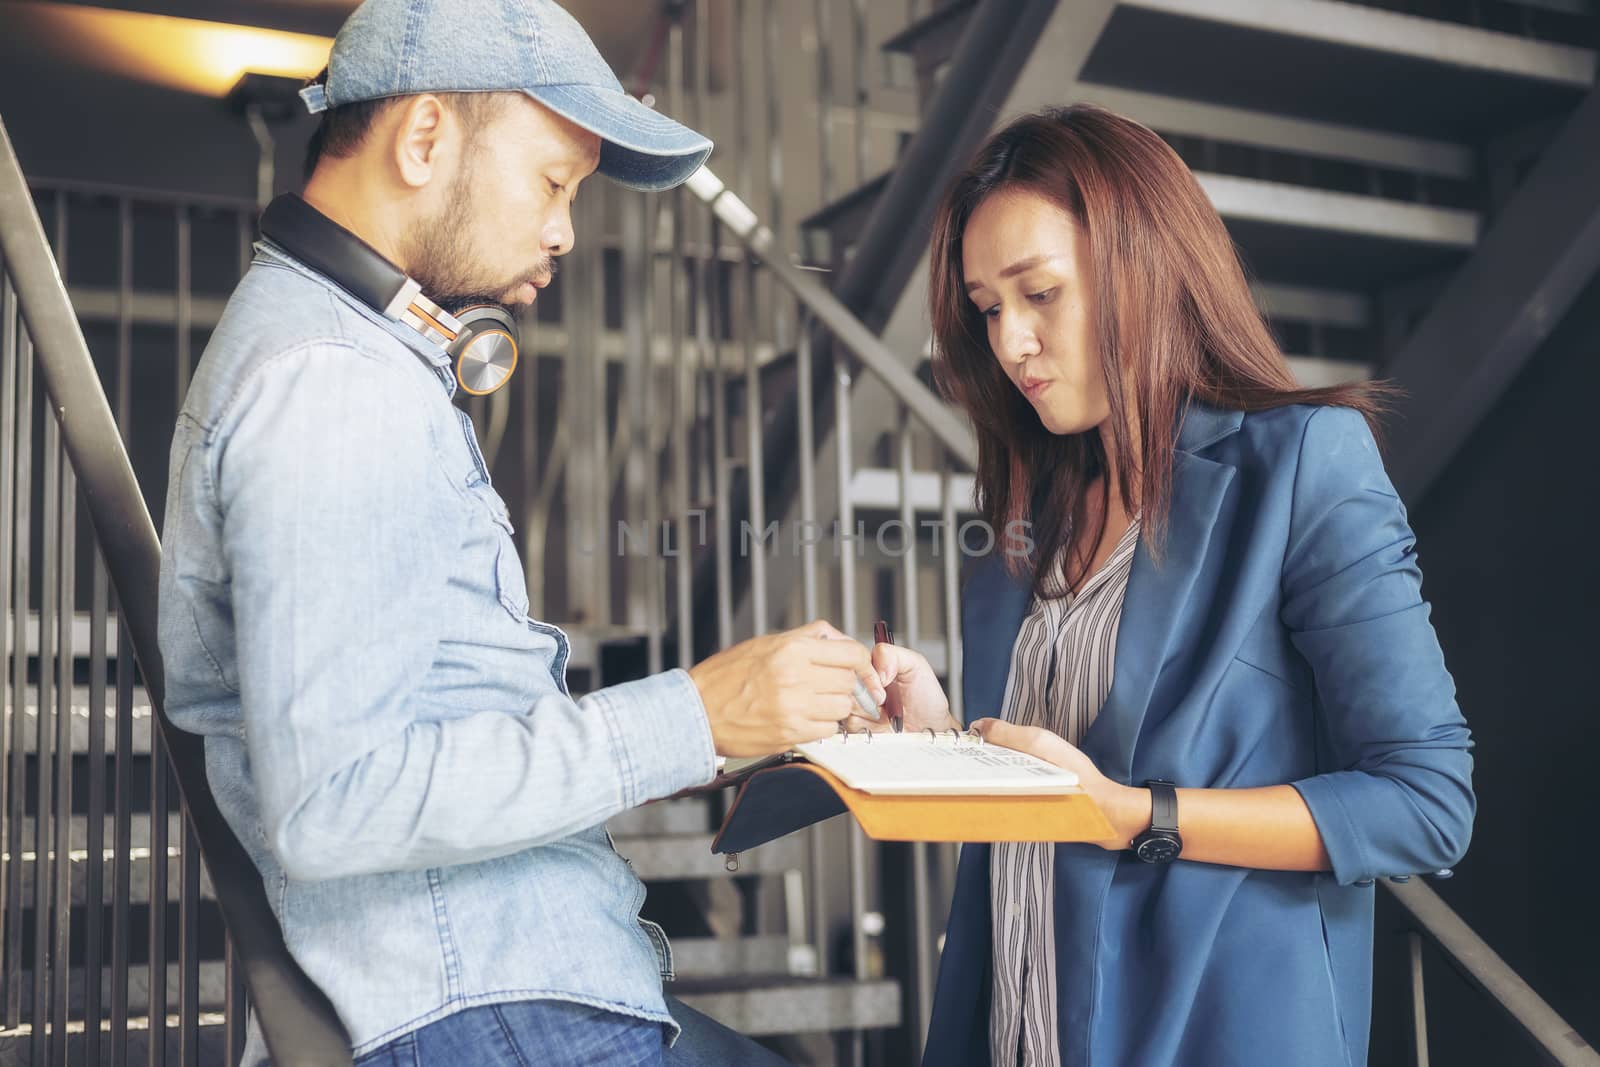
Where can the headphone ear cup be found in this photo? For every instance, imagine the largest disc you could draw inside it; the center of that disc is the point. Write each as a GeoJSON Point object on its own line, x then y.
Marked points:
{"type": "Point", "coordinates": [485, 351]}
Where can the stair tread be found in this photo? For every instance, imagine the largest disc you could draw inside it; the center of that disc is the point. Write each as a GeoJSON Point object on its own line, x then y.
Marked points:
{"type": "Point", "coordinates": [907, 39]}
{"type": "Point", "coordinates": [784, 1005]}
{"type": "Point", "coordinates": [689, 856]}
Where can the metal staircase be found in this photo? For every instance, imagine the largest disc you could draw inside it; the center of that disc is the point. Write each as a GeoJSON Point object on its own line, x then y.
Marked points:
{"type": "Point", "coordinates": [702, 369]}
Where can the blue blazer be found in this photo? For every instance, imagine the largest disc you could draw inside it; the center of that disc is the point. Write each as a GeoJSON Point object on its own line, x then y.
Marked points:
{"type": "Point", "coordinates": [1283, 638]}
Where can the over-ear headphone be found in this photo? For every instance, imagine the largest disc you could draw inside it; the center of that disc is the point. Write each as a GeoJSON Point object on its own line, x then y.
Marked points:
{"type": "Point", "coordinates": [481, 339]}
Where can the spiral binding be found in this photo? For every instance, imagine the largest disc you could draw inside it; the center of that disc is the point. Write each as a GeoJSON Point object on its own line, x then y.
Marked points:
{"type": "Point", "coordinates": [969, 736]}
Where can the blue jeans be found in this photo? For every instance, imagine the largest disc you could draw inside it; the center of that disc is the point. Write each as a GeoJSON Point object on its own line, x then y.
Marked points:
{"type": "Point", "coordinates": [562, 1034]}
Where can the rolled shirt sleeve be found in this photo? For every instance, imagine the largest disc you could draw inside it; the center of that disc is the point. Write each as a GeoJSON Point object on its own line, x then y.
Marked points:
{"type": "Point", "coordinates": [1399, 799]}
{"type": "Point", "coordinates": [337, 560]}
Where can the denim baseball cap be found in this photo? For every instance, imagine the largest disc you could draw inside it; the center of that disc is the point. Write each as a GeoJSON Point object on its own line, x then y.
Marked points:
{"type": "Point", "coordinates": [404, 47]}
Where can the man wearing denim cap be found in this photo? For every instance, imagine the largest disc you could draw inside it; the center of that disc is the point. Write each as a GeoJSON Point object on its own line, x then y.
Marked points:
{"type": "Point", "coordinates": [343, 611]}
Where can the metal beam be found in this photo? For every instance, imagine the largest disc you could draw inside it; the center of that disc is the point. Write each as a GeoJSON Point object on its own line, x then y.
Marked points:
{"type": "Point", "coordinates": [1307, 137]}
{"type": "Point", "coordinates": [1409, 36]}
{"type": "Point", "coordinates": [1535, 259]}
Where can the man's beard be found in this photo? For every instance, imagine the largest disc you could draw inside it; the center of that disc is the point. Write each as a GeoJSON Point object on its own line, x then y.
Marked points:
{"type": "Point", "coordinates": [440, 257]}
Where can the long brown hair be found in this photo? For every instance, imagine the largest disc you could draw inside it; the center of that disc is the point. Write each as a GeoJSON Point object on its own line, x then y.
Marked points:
{"type": "Point", "coordinates": [1174, 315]}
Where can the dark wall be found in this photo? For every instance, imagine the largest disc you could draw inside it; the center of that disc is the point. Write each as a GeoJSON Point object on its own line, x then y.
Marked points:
{"type": "Point", "coordinates": [1506, 539]}
{"type": "Point", "coordinates": [68, 122]}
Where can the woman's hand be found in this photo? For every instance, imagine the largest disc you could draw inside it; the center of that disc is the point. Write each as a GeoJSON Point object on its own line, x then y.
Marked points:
{"type": "Point", "coordinates": [1126, 808]}
{"type": "Point", "coordinates": [913, 692]}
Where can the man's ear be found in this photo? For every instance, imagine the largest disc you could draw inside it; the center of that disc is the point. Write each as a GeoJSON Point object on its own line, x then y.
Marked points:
{"type": "Point", "coordinates": [418, 139]}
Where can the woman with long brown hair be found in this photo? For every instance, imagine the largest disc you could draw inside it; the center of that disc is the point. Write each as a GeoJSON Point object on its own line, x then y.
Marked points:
{"type": "Point", "coordinates": [1217, 623]}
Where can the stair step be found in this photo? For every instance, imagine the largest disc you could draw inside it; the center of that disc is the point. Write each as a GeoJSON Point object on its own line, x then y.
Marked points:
{"type": "Point", "coordinates": [687, 856]}
{"type": "Point", "coordinates": [708, 957]}
{"type": "Point", "coordinates": [213, 989]}
{"type": "Point", "coordinates": [16, 1045]}
{"type": "Point", "coordinates": [879, 488]}
{"type": "Point", "coordinates": [764, 1006]}
{"type": "Point", "coordinates": [81, 623]}
{"type": "Point", "coordinates": [587, 640]}
{"type": "Point", "coordinates": [689, 815]}
{"type": "Point", "coordinates": [80, 721]}
{"type": "Point", "coordinates": [139, 845]}
{"type": "Point", "coordinates": [1421, 76]}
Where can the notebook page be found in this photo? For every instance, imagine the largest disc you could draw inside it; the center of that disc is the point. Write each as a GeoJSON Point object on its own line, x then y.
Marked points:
{"type": "Point", "coordinates": [914, 764]}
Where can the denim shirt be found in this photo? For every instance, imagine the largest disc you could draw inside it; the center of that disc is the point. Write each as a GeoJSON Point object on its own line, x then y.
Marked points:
{"type": "Point", "coordinates": [343, 616]}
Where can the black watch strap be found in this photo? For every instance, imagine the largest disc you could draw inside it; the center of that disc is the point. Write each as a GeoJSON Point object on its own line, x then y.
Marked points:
{"type": "Point", "coordinates": [1163, 805]}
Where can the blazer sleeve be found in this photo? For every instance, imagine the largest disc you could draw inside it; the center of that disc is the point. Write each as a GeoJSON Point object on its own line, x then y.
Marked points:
{"type": "Point", "coordinates": [1397, 798]}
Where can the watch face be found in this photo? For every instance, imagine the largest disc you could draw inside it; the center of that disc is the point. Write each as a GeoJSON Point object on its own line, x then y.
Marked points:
{"type": "Point", "coordinates": [1158, 849]}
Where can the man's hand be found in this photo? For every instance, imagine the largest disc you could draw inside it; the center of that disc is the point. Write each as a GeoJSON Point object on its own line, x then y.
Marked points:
{"type": "Point", "coordinates": [769, 693]}
{"type": "Point", "coordinates": [913, 692]}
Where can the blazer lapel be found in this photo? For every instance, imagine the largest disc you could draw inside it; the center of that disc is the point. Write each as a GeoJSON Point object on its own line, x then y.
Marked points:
{"type": "Point", "coordinates": [992, 609]}
{"type": "Point", "coordinates": [1155, 607]}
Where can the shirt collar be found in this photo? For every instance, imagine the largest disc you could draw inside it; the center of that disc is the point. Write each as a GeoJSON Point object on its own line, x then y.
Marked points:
{"type": "Point", "coordinates": [433, 354]}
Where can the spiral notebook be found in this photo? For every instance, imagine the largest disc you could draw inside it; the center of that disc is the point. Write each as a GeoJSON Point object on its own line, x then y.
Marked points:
{"type": "Point", "coordinates": [946, 764]}
{"type": "Point", "coordinates": [908, 787]}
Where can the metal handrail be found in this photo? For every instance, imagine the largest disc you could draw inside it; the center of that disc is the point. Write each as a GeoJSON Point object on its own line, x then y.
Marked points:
{"type": "Point", "coordinates": [1484, 968]}
{"type": "Point", "coordinates": [848, 330]}
{"type": "Point", "coordinates": [296, 1019]}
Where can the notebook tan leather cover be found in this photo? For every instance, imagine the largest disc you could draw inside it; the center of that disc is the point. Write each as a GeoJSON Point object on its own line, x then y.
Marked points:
{"type": "Point", "coordinates": [779, 800]}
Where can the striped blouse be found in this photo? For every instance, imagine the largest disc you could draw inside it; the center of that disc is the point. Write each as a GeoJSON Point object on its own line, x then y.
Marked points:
{"type": "Point", "coordinates": [1060, 673]}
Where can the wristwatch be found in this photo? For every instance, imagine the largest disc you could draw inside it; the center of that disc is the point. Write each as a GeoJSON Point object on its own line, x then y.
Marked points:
{"type": "Point", "coordinates": [1160, 843]}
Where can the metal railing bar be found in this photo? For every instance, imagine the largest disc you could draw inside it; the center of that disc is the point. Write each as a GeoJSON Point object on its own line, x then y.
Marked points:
{"type": "Point", "coordinates": [824, 101]}
{"type": "Point", "coordinates": [632, 442]}
{"type": "Point", "coordinates": [122, 843]}
{"type": "Point", "coordinates": [808, 465]}
{"type": "Point", "coordinates": [711, 342]}
{"type": "Point", "coordinates": [741, 109]}
{"type": "Point", "coordinates": [599, 426]}
{"type": "Point", "coordinates": [910, 632]}
{"type": "Point", "coordinates": [21, 592]}
{"type": "Point", "coordinates": [245, 228]}
{"type": "Point", "coordinates": [846, 547]}
{"type": "Point", "coordinates": [49, 511]}
{"type": "Point", "coordinates": [124, 313]}
{"type": "Point", "coordinates": [771, 59]}
{"type": "Point", "coordinates": [296, 1019]}
{"type": "Point", "coordinates": [11, 622]}
{"type": "Point", "coordinates": [755, 456]}
{"type": "Point", "coordinates": [654, 442]}
{"type": "Point", "coordinates": [858, 46]}
{"type": "Point", "coordinates": [952, 595]}
{"type": "Point", "coordinates": [1484, 968]}
{"type": "Point", "coordinates": [61, 888]}
{"type": "Point", "coordinates": [156, 957]}
{"type": "Point", "coordinates": [529, 425]}
{"type": "Point", "coordinates": [135, 192]}
{"type": "Point", "coordinates": [682, 391]}
{"type": "Point", "coordinates": [189, 951]}
{"type": "Point", "coordinates": [236, 1005]}
{"type": "Point", "coordinates": [185, 300]}
{"type": "Point", "coordinates": [94, 874]}
{"type": "Point", "coordinates": [1419, 1003]}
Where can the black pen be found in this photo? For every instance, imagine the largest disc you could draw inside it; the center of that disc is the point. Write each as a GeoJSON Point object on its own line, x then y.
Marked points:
{"type": "Point", "coordinates": [882, 635]}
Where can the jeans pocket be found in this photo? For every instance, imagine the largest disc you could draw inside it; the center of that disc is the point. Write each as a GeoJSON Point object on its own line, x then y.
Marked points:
{"type": "Point", "coordinates": [401, 1052]}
